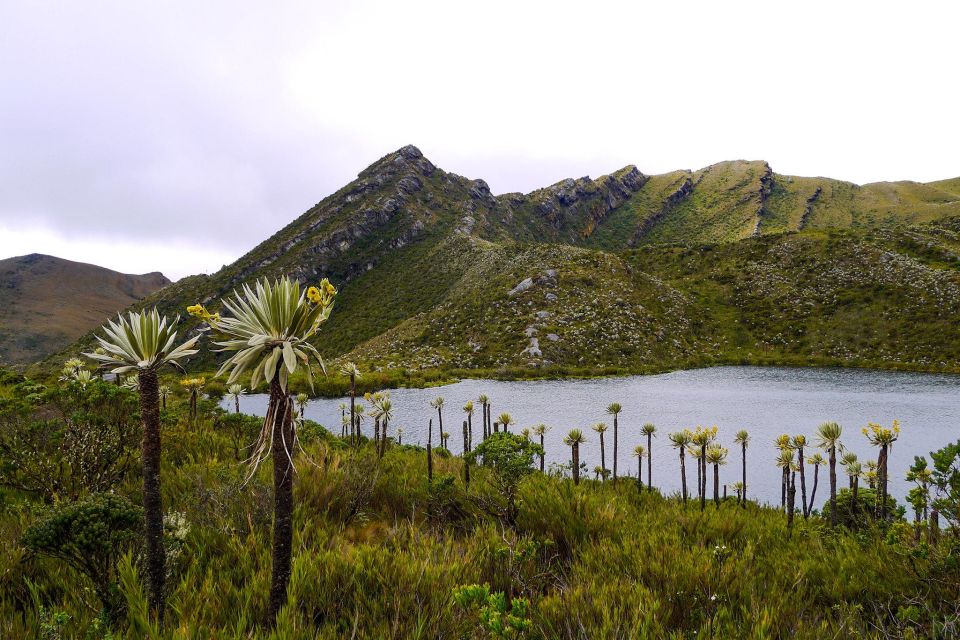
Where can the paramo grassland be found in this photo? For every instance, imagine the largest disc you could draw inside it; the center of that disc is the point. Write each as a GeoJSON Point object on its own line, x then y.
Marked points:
{"type": "Point", "coordinates": [379, 550]}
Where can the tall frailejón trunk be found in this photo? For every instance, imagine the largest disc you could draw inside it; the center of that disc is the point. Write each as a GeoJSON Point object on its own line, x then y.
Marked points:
{"type": "Point", "coordinates": [791, 499]}
{"type": "Point", "coordinates": [469, 432]}
{"type": "Point", "coordinates": [784, 487]}
{"type": "Point", "coordinates": [716, 484]}
{"type": "Point", "coordinates": [466, 450]}
{"type": "Point", "coordinates": [703, 477]}
{"type": "Point", "coordinates": [649, 459]}
{"type": "Point", "coordinates": [616, 440]}
{"type": "Point", "coordinates": [383, 438]}
{"type": "Point", "coordinates": [543, 453]}
{"type": "Point", "coordinates": [640, 472]}
{"type": "Point", "coordinates": [152, 500]}
{"type": "Point", "coordinates": [884, 452]}
{"type": "Point", "coordinates": [353, 407]}
{"type": "Point", "coordinates": [703, 463]}
{"type": "Point", "coordinates": [833, 485]}
{"type": "Point", "coordinates": [280, 410]}
{"type": "Point", "coordinates": [683, 475]}
{"type": "Point", "coordinates": [603, 454]}
{"type": "Point", "coordinates": [803, 482]}
{"type": "Point", "coordinates": [743, 459]}
{"type": "Point", "coordinates": [236, 404]}
{"type": "Point", "coordinates": [813, 493]}
{"type": "Point", "coordinates": [575, 462]}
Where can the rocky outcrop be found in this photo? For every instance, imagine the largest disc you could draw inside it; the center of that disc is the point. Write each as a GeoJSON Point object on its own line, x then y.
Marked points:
{"type": "Point", "coordinates": [679, 195]}
{"type": "Point", "coordinates": [581, 203]}
{"type": "Point", "coordinates": [808, 208]}
{"type": "Point", "coordinates": [766, 187]}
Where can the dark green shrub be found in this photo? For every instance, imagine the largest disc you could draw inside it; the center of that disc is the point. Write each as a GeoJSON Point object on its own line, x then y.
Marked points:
{"type": "Point", "coordinates": [90, 536]}
{"type": "Point", "coordinates": [510, 458]}
{"type": "Point", "coordinates": [862, 513]}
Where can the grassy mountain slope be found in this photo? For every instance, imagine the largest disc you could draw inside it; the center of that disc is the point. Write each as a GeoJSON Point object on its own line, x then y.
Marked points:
{"type": "Point", "coordinates": [732, 262]}
{"type": "Point", "coordinates": [889, 299]}
{"type": "Point", "coordinates": [46, 303]}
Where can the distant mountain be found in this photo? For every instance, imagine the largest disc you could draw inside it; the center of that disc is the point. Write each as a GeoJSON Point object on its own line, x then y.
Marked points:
{"type": "Point", "coordinates": [46, 303]}
{"type": "Point", "coordinates": [729, 263]}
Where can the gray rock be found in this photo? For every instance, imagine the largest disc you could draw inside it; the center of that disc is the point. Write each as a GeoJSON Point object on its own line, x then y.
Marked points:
{"type": "Point", "coordinates": [523, 286]}
{"type": "Point", "coordinates": [534, 349]}
{"type": "Point", "coordinates": [410, 152]}
{"type": "Point", "coordinates": [530, 331]}
{"type": "Point", "coordinates": [551, 297]}
{"type": "Point", "coordinates": [466, 225]}
{"type": "Point", "coordinates": [543, 315]}
{"type": "Point", "coordinates": [480, 190]}
{"type": "Point", "coordinates": [552, 337]}
{"type": "Point", "coordinates": [410, 184]}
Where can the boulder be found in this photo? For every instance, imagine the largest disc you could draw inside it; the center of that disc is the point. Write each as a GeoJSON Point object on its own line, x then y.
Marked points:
{"type": "Point", "coordinates": [525, 284]}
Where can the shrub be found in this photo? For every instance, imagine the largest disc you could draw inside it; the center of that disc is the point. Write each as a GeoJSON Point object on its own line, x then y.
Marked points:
{"type": "Point", "coordinates": [863, 513]}
{"type": "Point", "coordinates": [76, 442]}
{"type": "Point", "coordinates": [90, 536]}
{"type": "Point", "coordinates": [509, 458]}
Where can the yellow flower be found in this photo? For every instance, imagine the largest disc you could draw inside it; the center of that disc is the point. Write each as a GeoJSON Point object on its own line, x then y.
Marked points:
{"type": "Point", "coordinates": [328, 289]}
{"type": "Point", "coordinates": [198, 311]}
{"type": "Point", "coordinates": [322, 295]}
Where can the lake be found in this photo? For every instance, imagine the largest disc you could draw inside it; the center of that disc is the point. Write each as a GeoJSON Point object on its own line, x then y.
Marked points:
{"type": "Point", "coordinates": [766, 401]}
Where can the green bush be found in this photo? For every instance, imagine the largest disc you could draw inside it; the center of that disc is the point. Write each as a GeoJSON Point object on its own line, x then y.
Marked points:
{"type": "Point", "coordinates": [73, 442]}
{"type": "Point", "coordinates": [90, 536]}
{"type": "Point", "coordinates": [862, 513]}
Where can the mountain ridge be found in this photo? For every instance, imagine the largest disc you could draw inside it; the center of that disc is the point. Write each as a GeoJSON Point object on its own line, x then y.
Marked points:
{"type": "Point", "coordinates": [47, 302]}
{"type": "Point", "coordinates": [425, 258]}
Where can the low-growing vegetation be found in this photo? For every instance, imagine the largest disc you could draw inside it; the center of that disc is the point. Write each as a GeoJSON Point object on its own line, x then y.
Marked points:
{"type": "Point", "coordinates": [380, 550]}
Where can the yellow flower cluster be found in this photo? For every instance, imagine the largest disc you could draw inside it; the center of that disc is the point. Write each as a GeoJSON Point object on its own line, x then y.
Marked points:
{"type": "Point", "coordinates": [879, 435]}
{"type": "Point", "coordinates": [198, 311]}
{"type": "Point", "coordinates": [322, 295]}
{"type": "Point", "coordinates": [704, 435]}
{"type": "Point", "coordinates": [193, 383]}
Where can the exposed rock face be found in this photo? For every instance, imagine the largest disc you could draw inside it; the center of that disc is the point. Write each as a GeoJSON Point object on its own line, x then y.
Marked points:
{"type": "Point", "coordinates": [808, 207]}
{"type": "Point", "coordinates": [580, 203]}
{"type": "Point", "coordinates": [674, 199]}
{"type": "Point", "coordinates": [766, 186]}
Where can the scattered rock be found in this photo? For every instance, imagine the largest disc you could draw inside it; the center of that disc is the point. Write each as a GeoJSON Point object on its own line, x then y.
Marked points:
{"type": "Point", "coordinates": [523, 286]}
{"type": "Point", "coordinates": [410, 184]}
{"type": "Point", "coordinates": [551, 297]}
{"type": "Point", "coordinates": [542, 315]}
{"type": "Point", "coordinates": [534, 349]}
{"type": "Point", "coordinates": [552, 337]}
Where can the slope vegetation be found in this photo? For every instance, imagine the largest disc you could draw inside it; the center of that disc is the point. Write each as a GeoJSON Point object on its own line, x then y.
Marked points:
{"type": "Point", "coordinates": [732, 262]}
{"type": "Point", "coordinates": [46, 303]}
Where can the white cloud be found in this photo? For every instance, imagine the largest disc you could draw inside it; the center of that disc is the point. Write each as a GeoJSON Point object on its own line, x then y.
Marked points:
{"type": "Point", "coordinates": [211, 125]}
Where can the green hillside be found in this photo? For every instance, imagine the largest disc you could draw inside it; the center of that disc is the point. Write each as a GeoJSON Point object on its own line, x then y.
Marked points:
{"type": "Point", "coordinates": [729, 263]}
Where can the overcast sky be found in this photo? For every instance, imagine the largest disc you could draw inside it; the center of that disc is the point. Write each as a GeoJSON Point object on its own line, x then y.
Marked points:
{"type": "Point", "coordinates": [176, 136]}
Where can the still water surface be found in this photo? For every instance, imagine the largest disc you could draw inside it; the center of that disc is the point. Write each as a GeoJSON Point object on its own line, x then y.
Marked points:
{"type": "Point", "coordinates": [766, 401]}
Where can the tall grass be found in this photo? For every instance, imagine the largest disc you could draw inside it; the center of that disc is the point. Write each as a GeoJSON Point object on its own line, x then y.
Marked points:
{"type": "Point", "coordinates": [378, 552]}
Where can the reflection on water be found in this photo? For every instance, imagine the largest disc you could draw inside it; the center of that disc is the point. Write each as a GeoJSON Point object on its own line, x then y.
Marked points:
{"type": "Point", "coordinates": [763, 400]}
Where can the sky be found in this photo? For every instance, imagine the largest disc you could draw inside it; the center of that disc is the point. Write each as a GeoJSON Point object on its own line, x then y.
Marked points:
{"type": "Point", "coordinates": [175, 136]}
